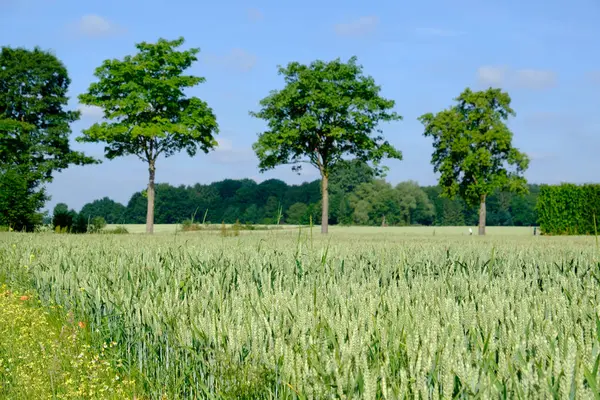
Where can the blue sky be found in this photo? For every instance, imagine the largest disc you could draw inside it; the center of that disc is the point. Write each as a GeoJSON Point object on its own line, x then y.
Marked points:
{"type": "Point", "coordinates": [423, 54]}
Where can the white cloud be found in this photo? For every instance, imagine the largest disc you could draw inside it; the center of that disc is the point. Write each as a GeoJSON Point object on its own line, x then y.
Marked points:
{"type": "Point", "coordinates": [533, 79]}
{"type": "Point", "coordinates": [95, 26]}
{"type": "Point", "coordinates": [255, 14]}
{"type": "Point", "coordinates": [91, 111]}
{"type": "Point", "coordinates": [494, 76]}
{"type": "Point", "coordinates": [359, 27]}
{"type": "Point", "coordinates": [237, 59]}
{"type": "Point", "coordinates": [439, 32]}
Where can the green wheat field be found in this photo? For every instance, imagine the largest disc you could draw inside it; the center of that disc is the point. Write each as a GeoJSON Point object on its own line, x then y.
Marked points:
{"type": "Point", "coordinates": [365, 313]}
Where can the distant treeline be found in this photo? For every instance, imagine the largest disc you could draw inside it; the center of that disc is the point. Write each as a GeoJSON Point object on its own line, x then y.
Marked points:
{"type": "Point", "coordinates": [357, 197]}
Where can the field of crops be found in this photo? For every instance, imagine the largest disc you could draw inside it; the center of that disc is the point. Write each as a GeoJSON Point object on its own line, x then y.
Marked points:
{"type": "Point", "coordinates": [395, 231]}
{"type": "Point", "coordinates": [362, 314]}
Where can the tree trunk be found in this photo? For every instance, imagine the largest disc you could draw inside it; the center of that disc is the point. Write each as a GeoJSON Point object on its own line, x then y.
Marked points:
{"type": "Point", "coordinates": [482, 215]}
{"type": "Point", "coordinates": [150, 193]}
{"type": "Point", "coordinates": [324, 203]}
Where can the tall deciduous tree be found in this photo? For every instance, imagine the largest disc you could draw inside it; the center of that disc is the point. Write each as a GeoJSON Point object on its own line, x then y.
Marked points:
{"type": "Point", "coordinates": [473, 148]}
{"type": "Point", "coordinates": [325, 111]}
{"type": "Point", "coordinates": [34, 132]}
{"type": "Point", "coordinates": [147, 110]}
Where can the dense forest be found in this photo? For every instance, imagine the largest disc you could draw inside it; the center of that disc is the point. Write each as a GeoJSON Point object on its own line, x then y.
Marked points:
{"type": "Point", "coordinates": [357, 197]}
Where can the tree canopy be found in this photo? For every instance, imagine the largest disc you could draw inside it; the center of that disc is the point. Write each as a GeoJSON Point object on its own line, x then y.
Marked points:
{"type": "Point", "coordinates": [258, 203]}
{"type": "Point", "coordinates": [146, 112]}
{"type": "Point", "coordinates": [327, 110]}
{"type": "Point", "coordinates": [34, 131]}
{"type": "Point", "coordinates": [473, 150]}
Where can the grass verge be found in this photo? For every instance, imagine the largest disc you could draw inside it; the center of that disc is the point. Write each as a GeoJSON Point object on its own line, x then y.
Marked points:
{"type": "Point", "coordinates": [44, 354]}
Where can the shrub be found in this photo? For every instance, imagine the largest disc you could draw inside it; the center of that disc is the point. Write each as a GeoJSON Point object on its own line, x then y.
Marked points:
{"type": "Point", "coordinates": [568, 209]}
{"type": "Point", "coordinates": [63, 219]}
{"type": "Point", "coordinates": [80, 224]}
{"type": "Point", "coordinates": [190, 226]}
{"type": "Point", "coordinates": [97, 224]}
{"type": "Point", "coordinates": [119, 230]}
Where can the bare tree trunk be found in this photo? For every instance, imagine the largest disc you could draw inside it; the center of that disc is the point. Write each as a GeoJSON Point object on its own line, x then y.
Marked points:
{"type": "Point", "coordinates": [150, 192]}
{"type": "Point", "coordinates": [324, 203]}
{"type": "Point", "coordinates": [482, 215]}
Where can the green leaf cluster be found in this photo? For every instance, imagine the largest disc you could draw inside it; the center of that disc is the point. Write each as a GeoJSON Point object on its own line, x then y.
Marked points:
{"type": "Point", "coordinates": [569, 209]}
{"type": "Point", "coordinates": [325, 111]}
{"type": "Point", "coordinates": [68, 221]}
{"type": "Point", "coordinates": [146, 111]}
{"type": "Point", "coordinates": [34, 131]}
{"type": "Point", "coordinates": [20, 200]}
{"type": "Point", "coordinates": [473, 150]}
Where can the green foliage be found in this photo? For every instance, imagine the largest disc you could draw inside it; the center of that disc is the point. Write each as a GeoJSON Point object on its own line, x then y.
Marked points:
{"type": "Point", "coordinates": [62, 217]}
{"type": "Point", "coordinates": [298, 214]}
{"type": "Point", "coordinates": [473, 148]}
{"type": "Point", "coordinates": [327, 110]}
{"type": "Point", "coordinates": [405, 204]}
{"type": "Point", "coordinates": [345, 177]}
{"type": "Point", "coordinates": [118, 230]}
{"type": "Point", "coordinates": [80, 224]}
{"type": "Point", "coordinates": [569, 209]}
{"type": "Point", "coordinates": [414, 204]}
{"type": "Point", "coordinates": [372, 201]}
{"type": "Point", "coordinates": [523, 209]}
{"type": "Point", "coordinates": [251, 214]}
{"type": "Point", "coordinates": [34, 132]}
{"type": "Point", "coordinates": [254, 203]}
{"type": "Point", "coordinates": [144, 96]}
{"type": "Point", "coordinates": [68, 221]}
{"type": "Point", "coordinates": [110, 210]}
{"type": "Point", "coordinates": [97, 224]}
{"type": "Point", "coordinates": [20, 200]}
{"type": "Point", "coordinates": [146, 110]}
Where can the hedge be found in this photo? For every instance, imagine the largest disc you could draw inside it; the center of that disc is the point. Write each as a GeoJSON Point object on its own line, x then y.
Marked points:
{"type": "Point", "coordinates": [569, 209]}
